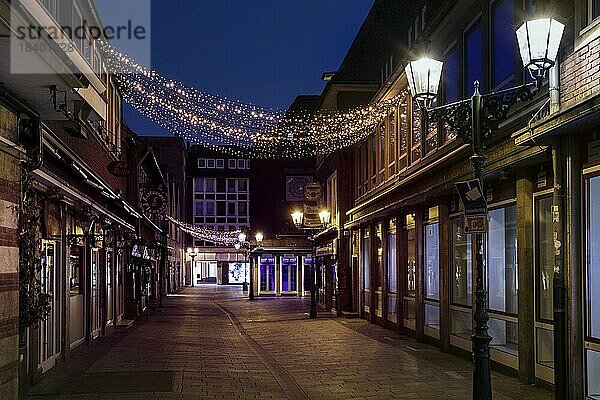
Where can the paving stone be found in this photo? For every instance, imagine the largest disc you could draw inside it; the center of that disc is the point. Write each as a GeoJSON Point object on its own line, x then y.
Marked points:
{"type": "Point", "coordinates": [210, 343]}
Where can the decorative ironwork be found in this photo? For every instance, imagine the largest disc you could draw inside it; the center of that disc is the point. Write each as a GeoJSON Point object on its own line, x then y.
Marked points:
{"type": "Point", "coordinates": [496, 105]}
{"type": "Point", "coordinates": [456, 116]}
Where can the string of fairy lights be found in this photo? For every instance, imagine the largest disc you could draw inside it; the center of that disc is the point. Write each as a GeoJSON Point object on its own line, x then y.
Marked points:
{"type": "Point", "coordinates": [227, 238]}
{"type": "Point", "coordinates": [238, 128]}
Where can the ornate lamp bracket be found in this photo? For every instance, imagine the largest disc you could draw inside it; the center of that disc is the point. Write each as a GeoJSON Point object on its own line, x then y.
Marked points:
{"type": "Point", "coordinates": [496, 105]}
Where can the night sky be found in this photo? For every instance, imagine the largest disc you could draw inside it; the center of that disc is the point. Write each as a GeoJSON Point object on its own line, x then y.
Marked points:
{"type": "Point", "coordinates": [264, 52]}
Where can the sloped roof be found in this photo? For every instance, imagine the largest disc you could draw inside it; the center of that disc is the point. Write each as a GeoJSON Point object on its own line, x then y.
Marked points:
{"type": "Point", "coordinates": [383, 33]}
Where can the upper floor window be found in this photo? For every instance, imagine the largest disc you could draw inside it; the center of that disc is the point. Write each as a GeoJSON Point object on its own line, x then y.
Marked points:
{"type": "Point", "coordinates": [593, 9]}
{"type": "Point", "coordinates": [220, 163]}
{"type": "Point", "coordinates": [211, 163]}
{"type": "Point", "coordinates": [202, 163]}
{"type": "Point", "coordinates": [450, 79]}
{"type": "Point", "coordinates": [503, 50]}
{"type": "Point", "coordinates": [241, 164]}
{"type": "Point", "coordinates": [243, 185]}
{"type": "Point", "coordinates": [231, 163]}
{"type": "Point", "coordinates": [473, 58]}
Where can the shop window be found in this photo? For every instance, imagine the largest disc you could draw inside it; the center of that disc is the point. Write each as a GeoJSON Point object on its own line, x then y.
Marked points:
{"type": "Point", "coordinates": [76, 271]}
{"type": "Point", "coordinates": [411, 267]}
{"type": "Point", "coordinates": [432, 265]}
{"type": "Point", "coordinates": [199, 184]}
{"type": "Point", "coordinates": [391, 258]}
{"type": "Point", "coordinates": [473, 58]}
{"type": "Point", "coordinates": [502, 260]}
{"type": "Point", "coordinates": [503, 50]}
{"type": "Point", "coordinates": [592, 278]}
{"type": "Point", "coordinates": [544, 258]}
{"type": "Point", "coordinates": [462, 265]}
{"type": "Point", "coordinates": [366, 253]}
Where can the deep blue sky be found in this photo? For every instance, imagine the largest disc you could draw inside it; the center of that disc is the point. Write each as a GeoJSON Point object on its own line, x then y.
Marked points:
{"type": "Point", "coordinates": [264, 52]}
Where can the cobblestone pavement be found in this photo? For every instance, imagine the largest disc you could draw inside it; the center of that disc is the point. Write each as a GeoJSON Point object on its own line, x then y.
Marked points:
{"type": "Point", "coordinates": [210, 343]}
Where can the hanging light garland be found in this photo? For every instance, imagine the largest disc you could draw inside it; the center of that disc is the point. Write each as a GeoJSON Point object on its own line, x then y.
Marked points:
{"type": "Point", "coordinates": [238, 128]}
{"type": "Point", "coordinates": [227, 238]}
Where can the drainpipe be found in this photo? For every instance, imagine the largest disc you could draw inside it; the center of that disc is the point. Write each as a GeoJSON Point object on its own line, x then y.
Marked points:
{"type": "Point", "coordinates": [554, 87]}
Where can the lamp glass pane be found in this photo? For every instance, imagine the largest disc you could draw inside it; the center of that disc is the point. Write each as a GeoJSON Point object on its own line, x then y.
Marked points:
{"type": "Point", "coordinates": [539, 41]}
{"type": "Point", "coordinates": [424, 77]}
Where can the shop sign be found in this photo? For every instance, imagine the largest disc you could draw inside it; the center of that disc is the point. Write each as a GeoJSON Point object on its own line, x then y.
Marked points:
{"type": "Point", "coordinates": [325, 250]}
{"type": "Point", "coordinates": [476, 223]}
{"type": "Point", "coordinates": [119, 168]}
{"type": "Point", "coordinates": [472, 197]}
{"type": "Point", "coordinates": [154, 201]}
{"type": "Point", "coordinates": [140, 251]}
{"type": "Point", "coordinates": [311, 216]}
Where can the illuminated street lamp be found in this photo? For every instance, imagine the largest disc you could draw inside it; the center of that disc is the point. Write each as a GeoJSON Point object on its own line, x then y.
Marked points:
{"type": "Point", "coordinates": [193, 253]}
{"type": "Point", "coordinates": [539, 41]}
{"type": "Point", "coordinates": [259, 238]}
{"type": "Point", "coordinates": [298, 220]}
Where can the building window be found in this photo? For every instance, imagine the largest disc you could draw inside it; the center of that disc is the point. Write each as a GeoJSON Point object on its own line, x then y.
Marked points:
{"type": "Point", "coordinates": [242, 185]}
{"type": "Point", "coordinates": [210, 185]}
{"type": "Point", "coordinates": [450, 80]}
{"type": "Point", "coordinates": [411, 38]}
{"type": "Point", "coordinates": [202, 163]}
{"type": "Point", "coordinates": [231, 186]}
{"type": "Point", "coordinates": [210, 163]}
{"type": "Point", "coordinates": [210, 208]}
{"type": "Point", "coordinates": [198, 185]}
{"type": "Point", "coordinates": [594, 9]}
{"type": "Point", "coordinates": [473, 59]}
{"type": "Point", "coordinates": [432, 275]}
{"type": "Point", "coordinates": [231, 163]}
{"type": "Point", "coordinates": [241, 164]}
{"type": "Point", "coordinates": [231, 209]}
{"type": "Point", "coordinates": [242, 209]}
{"type": "Point", "coordinates": [220, 163]}
{"type": "Point", "coordinates": [502, 260]}
{"type": "Point", "coordinates": [503, 50]}
{"type": "Point", "coordinates": [199, 209]}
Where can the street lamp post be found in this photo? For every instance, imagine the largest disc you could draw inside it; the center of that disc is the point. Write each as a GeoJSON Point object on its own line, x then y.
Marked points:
{"type": "Point", "coordinates": [298, 219]}
{"type": "Point", "coordinates": [539, 41]}
{"type": "Point", "coordinates": [247, 249]}
{"type": "Point", "coordinates": [192, 253]}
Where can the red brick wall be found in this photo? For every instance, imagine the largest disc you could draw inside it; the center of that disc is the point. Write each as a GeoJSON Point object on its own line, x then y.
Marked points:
{"type": "Point", "coordinates": [580, 74]}
{"type": "Point", "coordinates": [93, 154]}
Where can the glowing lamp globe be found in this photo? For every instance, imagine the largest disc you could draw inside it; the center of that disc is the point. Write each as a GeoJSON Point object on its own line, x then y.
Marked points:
{"type": "Point", "coordinates": [539, 41]}
{"type": "Point", "coordinates": [424, 79]}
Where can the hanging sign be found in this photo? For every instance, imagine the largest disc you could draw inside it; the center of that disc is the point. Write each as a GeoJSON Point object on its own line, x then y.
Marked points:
{"type": "Point", "coordinates": [154, 201]}
{"type": "Point", "coordinates": [472, 197]}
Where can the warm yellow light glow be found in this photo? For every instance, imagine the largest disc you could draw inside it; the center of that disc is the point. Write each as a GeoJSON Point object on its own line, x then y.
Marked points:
{"type": "Point", "coordinates": [325, 217]}
{"type": "Point", "coordinates": [242, 237]}
{"type": "Point", "coordinates": [259, 237]}
{"type": "Point", "coordinates": [424, 78]}
{"type": "Point", "coordinates": [298, 218]}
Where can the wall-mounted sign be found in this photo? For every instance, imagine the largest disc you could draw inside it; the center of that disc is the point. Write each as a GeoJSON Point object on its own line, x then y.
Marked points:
{"type": "Point", "coordinates": [154, 201]}
{"type": "Point", "coordinates": [294, 187]}
{"type": "Point", "coordinates": [119, 168]}
{"type": "Point", "coordinates": [313, 191]}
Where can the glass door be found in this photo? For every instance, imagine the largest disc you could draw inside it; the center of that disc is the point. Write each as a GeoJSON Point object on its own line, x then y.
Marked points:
{"type": "Point", "coordinates": [432, 279]}
{"type": "Point", "coordinates": [49, 328]}
{"type": "Point", "coordinates": [392, 282]}
{"type": "Point", "coordinates": [410, 274]}
{"type": "Point", "coordinates": [289, 274]}
{"type": "Point", "coordinates": [592, 287]}
{"type": "Point", "coordinates": [267, 274]}
{"type": "Point", "coordinates": [365, 250]}
{"type": "Point", "coordinates": [307, 275]}
{"type": "Point", "coordinates": [544, 273]}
